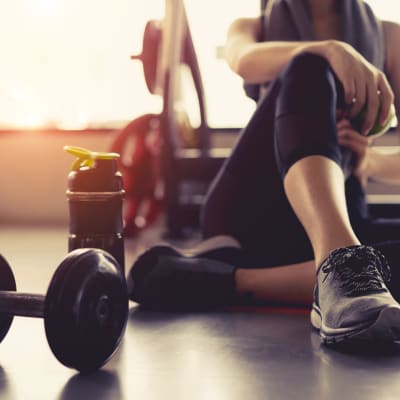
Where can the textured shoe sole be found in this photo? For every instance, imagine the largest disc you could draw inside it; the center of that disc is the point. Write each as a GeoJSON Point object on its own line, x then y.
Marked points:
{"type": "Point", "coordinates": [385, 329]}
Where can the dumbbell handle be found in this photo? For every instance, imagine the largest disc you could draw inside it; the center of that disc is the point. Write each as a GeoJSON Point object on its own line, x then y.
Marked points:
{"type": "Point", "coordinates": [22, 304]}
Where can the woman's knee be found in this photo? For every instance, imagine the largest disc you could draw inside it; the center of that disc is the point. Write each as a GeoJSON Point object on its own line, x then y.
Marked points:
{"type": "Point", "coordinates": [306, 63]}
{"type": "Point", "coordinates": [305, 117]}
{"type": "Point", "coordinates": [308, 82]}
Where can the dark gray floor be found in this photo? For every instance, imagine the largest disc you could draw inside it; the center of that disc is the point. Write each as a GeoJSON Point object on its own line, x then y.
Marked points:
{"type": "Point", "coordinates": [222, 355]}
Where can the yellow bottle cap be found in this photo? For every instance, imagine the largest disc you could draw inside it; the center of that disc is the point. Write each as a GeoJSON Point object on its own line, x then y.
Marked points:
{"type": "Point", "coordinates": [86, 158]}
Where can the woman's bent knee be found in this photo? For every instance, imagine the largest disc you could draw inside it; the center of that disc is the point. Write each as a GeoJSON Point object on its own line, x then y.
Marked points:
{"type": "Point", "coordinates": [305, 117]}
{"type": "Point", "coordinates": [308, 84]}
{"type": "Point", "coordinates": [306, 63]}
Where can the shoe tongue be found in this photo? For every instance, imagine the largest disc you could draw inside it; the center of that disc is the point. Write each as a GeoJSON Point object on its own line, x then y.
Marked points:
{"type": "Point", "coordinates": [364, 270]}
{"type": "Point", "coordinates": [358, 265]}
{"type": "Point", "coordinates": [360, 269]}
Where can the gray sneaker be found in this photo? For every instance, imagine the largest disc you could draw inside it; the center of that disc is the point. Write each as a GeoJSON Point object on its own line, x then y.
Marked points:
{"type": "Point", "coordinates": [351, 301]}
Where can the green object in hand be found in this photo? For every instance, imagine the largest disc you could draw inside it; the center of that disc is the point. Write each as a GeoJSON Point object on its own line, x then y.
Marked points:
{"type": "Point", "coordinates": [378, 129]}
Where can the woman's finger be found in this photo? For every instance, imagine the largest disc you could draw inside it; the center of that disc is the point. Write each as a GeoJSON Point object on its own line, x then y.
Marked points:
{"type": "Point", "coordinates": [360, 96]}
{"type": "Point", "coordinates": [343, 123]}
{"type": "Point", "coordinates": [351, 134]}
{"type": "Point", "coordinates": [386, 98]}
{"type": "Point", "coordinates": [353, 145]}
{"type": "Point", "coordinates": [372, 107]}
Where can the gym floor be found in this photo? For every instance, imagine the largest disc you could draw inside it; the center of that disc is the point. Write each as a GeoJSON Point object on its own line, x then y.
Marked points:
{"type": "Point", "coordinates": [233, 354]}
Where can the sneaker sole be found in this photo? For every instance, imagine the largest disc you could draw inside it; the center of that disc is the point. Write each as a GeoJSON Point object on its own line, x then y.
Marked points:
{"type": "Point", "coordinates": [385, 329]}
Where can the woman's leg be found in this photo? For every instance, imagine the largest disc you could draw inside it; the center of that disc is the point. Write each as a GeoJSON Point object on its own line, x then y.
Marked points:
{"type": "Point", "coordinates": [351, 300]}
{"type": "Point", "coordinates": [294, 283]}
{"type": "Point", "coordinates": [315, 189]}
{"type": "Point", "coordinates": [247, 199]}
{"type": "Point", "coordinates": [292, 139]}
{"type": "Point", "coordinates": [308, 153]}
{"type": "Point", "coordinates": [290, 284]}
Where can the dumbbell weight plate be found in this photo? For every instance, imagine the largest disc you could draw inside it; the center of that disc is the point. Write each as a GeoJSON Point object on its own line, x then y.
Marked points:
{"type": "Point", "coordinates": [86, 309]}
{"type": "Point", "coordinates": [7, 282]}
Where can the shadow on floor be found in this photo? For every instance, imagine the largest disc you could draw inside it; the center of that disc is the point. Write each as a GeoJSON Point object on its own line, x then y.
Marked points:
{"type": "Point", "coordinates": [5, 387]}
{"type": "Point", "coordinates": [100, 385]}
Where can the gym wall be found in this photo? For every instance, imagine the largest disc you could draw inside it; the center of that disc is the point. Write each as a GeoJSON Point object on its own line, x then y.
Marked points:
{"type": "Point", "coordinates": [33, 173]}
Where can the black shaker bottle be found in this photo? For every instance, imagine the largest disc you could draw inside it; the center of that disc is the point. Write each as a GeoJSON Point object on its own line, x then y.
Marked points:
{"type": "Point", "coordinates": [95, 196]}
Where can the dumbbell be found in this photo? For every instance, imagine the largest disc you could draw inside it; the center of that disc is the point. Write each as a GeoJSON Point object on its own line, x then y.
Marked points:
{"type": "Point", "coordinates": [85, 308]}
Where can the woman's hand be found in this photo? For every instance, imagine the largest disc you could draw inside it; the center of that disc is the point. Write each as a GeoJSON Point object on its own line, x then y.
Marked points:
{"type": "Point", "coordinates": [363, 83]}
{"type": "Point", "coordinates": [356, 142]}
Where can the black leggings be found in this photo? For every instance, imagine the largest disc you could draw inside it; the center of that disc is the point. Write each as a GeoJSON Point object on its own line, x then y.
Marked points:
{"type": "Point", "coordinates": [297, 118]}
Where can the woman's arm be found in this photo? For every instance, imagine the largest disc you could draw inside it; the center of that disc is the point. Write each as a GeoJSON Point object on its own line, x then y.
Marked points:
{"type": "Point", "coordinates": [383, 166]}
{"type": "Point", "coordinates": [392, 36]}
{"type": "Point", "coordinates": [258, 62]}
{"type": "Point", "coordinates": [369, 162]}
{"type": "Point", "coordinates": [380, 165]}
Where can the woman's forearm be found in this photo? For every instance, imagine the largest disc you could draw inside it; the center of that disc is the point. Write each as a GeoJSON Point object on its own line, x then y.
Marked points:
{"type": "Point", "coordinates": [384, 166]}
{"type": "Point", "coordinates": [262, 62]}
{"type": "Point", "coordinates": [258, 62]}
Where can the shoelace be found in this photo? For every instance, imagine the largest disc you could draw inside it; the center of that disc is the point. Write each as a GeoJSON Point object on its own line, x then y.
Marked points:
{"type": "Point", "coordinates": [359, 269]}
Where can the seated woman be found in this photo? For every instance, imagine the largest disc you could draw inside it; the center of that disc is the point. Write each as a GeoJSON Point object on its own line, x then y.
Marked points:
{"type": "Point", "coordinates": [290, 196]}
